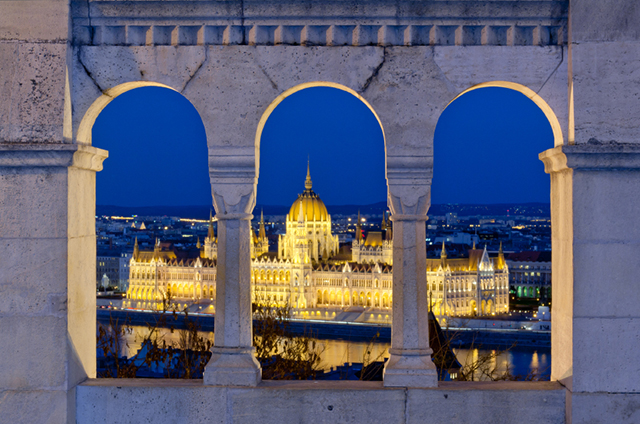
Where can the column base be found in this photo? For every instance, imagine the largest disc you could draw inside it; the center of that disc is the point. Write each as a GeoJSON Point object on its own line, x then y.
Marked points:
{"type": "Point", "coordinates": [232, 367]}
{"type": "Point", "coordinates": [408, 368]}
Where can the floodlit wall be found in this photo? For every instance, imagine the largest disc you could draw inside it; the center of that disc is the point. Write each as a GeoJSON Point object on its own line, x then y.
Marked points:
{"type": "Point", "coordinates": [60, 64]}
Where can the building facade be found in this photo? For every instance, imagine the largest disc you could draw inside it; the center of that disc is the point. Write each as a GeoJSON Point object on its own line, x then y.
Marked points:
{"type": "Point", "coordinates": [310, 274]}
{"type": "Point", "coordinates": [530, 274]}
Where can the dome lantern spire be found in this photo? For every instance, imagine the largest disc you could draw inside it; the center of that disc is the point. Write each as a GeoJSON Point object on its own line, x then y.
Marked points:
{"type": "Point", "coordinates": [307, 182]}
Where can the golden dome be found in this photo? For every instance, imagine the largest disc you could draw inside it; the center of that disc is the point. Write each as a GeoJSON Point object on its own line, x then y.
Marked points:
{"type": "Point", "coordinates": [313, 209]}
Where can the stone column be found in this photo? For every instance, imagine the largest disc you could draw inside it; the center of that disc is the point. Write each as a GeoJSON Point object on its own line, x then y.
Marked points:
{"type": "Point", "coordinates": [47, 278]}
{"type": "Point", "coordinates": [409, 183]}
{"type": "Point", "coordinates": [233, 181]}
{"type": "Point", "coordinates": [595, 192]}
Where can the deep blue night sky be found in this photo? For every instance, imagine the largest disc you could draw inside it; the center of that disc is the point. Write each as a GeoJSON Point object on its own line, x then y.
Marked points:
{"type": "Point", "coordinates": [486, 148]}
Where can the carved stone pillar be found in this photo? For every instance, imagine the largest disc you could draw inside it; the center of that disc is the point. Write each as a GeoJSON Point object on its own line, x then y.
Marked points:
{"type": "Point", "coordinates": [409, 183]}
{"type": "Point", "coordinates": [47, 275]}
{"type": "Point", "coordinates": [233, 183]}
{"type": "Point", "coordinates": [595, 248]}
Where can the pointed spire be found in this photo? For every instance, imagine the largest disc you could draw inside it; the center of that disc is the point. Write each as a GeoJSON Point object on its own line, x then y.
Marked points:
{"type": "Point", "coordinates": [358, 228]}
{"type": "Point", "coordinates": [136, 250]}
{"type": "Point", "coordinates": [474, 244]}
{"type": "Point", "coordinates": [307, 182]}
{"type": "Point", "coordinates": [210, 232]}
{"type": "Point", "coordinates": [443, 253]}
{"type": "Point", "coordinates": [198, 243]}
{"type": "Point", "coordinates": [263, 234]}
{"type": "Point", "coordinates": [501, 262]}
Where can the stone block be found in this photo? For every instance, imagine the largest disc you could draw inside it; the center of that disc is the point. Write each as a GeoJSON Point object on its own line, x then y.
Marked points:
{"type": "Point", "coordinates": [606, 91]}
{"type": "Point", "coordinates": [418, 35]}
{"type": "Point", "coordinates": [34, 20]}
{"type": "Point", "coordinates": [32, 84]}
{"type": "Point", "coordinates": [33, 202]}
{"type": "Point", "coordinates": [287, 34]}
{"type": "Point", "coordinates": [363, 35]}
{"type": "Point", "coordinates": [137, 35]}
{"type": "Point", "coordinates": [603, 408]}
{"type": "Point", "coordinates": [211, 34]}
{"type": "Point", "coordinates": [110, 35]}
{"type": "Point", "coordinates": [604, 20]}
{"type": "Point", "coordinates": [483, 402]}
{"type": "Point", "coordinates": [604, 355]}
{"type": "Point", "coordinates": [111, 401]}
{"type": "Point", "coordinates": [605, 276]}
{"type": "Point", "coordinates": [313, 35]}
{"type": "Point", "coordinates": [341, 35]}
{"type": "Point", "coordinates": [33, 352]}
{"type": "Point", "coordinates": [444, 35]}
{"type": "Point", "coordinates": [618, 195]}
{"type": "Point", "coordinates": [34, 276]}
{"type": "Point", "coordinates": [277, 403]}
{"type": "Point", "coordinates": [36, 406]}
{"type": "Point", "coordinates": [469, 35]}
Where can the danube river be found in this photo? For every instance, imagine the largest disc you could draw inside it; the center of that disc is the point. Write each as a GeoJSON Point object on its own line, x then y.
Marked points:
{"type": "Point", "coordinates": [518, 361]}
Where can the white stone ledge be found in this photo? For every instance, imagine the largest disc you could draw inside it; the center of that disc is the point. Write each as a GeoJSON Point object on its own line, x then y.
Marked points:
{"type": "Point", "coordinates": [592, 157]}
{"type": "Point", "coordinates": [168, 401]}
{"type": "Point", "coordinates": [25, 155]}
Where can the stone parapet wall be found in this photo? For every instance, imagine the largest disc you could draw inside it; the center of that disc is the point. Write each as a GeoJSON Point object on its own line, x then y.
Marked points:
{"type": "Point", "coordinates": [120, 401]}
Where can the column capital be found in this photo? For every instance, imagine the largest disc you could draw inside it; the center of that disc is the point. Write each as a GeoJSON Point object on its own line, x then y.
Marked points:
{"type": "Point", "coordinates": [409, 183]}
{"type": "Point", "coordinates": [79, 156]}
{"type": "Point", "coordinates": [592, 157]}
{"type": "Point", "coordinates": [234, 178]}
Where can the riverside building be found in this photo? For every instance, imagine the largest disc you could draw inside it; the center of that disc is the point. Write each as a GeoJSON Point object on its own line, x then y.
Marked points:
{"type": "Point", "coordinates": [312, 275]}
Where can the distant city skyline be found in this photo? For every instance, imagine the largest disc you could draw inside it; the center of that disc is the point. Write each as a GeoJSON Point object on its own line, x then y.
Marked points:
{"type": "Point", "coordinates": [485, 150]}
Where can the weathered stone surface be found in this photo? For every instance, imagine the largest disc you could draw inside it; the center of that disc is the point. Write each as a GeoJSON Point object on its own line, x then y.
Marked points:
{"type": "Point", "coordinates": [128, 401]}
{"type": "Point", "coordinates": [606, 88]}
{"type": "Point", "coordinates": [144, 401]}
{"type": "Point", "coordinates": [29, 20]}
{"type": "Point", "coordinates": [331, 404]}
{"type": "Point", "coordinates": [495, 402]}
{"type": "Point", "coordinates": [32, 87]}
{"type": "Point", "coordinates": [33, 203]}
{"type": "Point", "coordinates": [603, 354]}
{"type": "Point", "coordinates": [603, 408]}
{"type": "Point", "coordinates": [602, 281]}
{"type": "Point", "coordinates": [34, 406]}
{"type": "Point", "coordinates": [33, 352]}
{"type": "Point", "coordinates": [599, 20]}
{"type": "Point", "coordinates": [30, 286]}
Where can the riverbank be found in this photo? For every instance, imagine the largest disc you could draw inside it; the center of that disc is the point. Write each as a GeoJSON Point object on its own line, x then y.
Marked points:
{"type": "Point", "coordinates": [485, 338]}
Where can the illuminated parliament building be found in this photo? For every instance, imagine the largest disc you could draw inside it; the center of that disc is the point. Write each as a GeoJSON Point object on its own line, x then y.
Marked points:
{"type": "Point", "coordinates": [315, 277]}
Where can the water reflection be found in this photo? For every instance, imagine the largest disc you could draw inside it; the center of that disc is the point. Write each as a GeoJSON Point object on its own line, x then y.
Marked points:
{"type": "Point", "coordinates": [518, 361]}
